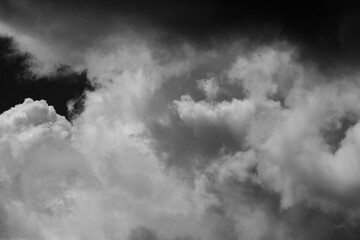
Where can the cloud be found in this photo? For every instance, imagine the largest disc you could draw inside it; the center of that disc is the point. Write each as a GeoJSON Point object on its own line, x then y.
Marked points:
{"type": "Point", "coordinates": [204, 117]}
{"type": "Point", "coordinates": [286, 165]}
{"type": "Point", "coordinates": [62, 32]}
{"type": "Point", "coordinates": [39, 168]}
{"type": "Point", "coordinates": [299, 142]}
{"type": "Point", "coordinates": [98, 177]}
{"type": "Point", "coordinates": [247, 152]}
{"type": "Point", "coordinates": [55, 185]}
{"type": "Point", "coordinates": [210, 87]}
{"type": "Point", "coordinates": [266, 72]}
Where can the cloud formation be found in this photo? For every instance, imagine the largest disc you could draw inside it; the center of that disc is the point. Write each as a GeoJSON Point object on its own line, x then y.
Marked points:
{"type": "Point", "coordinates": [187, 142]}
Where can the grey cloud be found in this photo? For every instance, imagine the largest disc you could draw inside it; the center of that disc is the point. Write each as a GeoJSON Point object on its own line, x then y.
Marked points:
{"type": "Point", "coordinates": [142, 233]}
{"type": "Point", "coordinates": [253, 148]}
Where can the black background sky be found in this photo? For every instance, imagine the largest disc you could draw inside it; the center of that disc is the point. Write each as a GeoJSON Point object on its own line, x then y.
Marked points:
{"type": "Point", "coordinates": [17, 82]}
{"type": "Point", "coordinates": [331, 27]}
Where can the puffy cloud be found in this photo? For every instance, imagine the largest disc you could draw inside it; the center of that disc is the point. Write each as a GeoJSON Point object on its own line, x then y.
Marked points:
{"type": "Point", "coordinates": [265, 72]}
{"type": "Point", "coordinates": [210, 87]}
{"type": "Point", "coordinates": [302, 155]}
{"type": "Point", "coordinates": [157, 154]}
{"type": "Point", "coordinates": [291, 153]}
{"type": "Point", "coordinates": [204, 117]}
{"type": "Point", "coordinates": [288, 146]}
{"type": "Point", "coordinates": [39, 169]}
{"type": "Point", "coordinates": [96, 181]}
{"type": "Point", "coordinates": [99, 178]}
{"type": "Point", "coordinates": [269, 144]}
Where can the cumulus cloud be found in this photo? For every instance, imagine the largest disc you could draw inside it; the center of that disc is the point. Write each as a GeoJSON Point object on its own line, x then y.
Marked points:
{"type": "Point", "coordinates": [102, 174]}
{"type": "Point", "coordinates": [39, 169]}
{"type": "Point", "coordinates": [55, 187]}
{"type": "Point", "coordinates": [259, 150]}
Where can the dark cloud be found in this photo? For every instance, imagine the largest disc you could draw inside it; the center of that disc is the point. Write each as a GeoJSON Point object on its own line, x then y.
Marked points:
{"type": "Point", "coordinates": [143, 233]}
{"type": "Point", "coordinates": [327, 32]}
{"type": "Point", "coordinates": [303, 221]}
{"type": "Point", "coordinates": [3, 223]}
{"type": "Point", "coordinates": [335, 132]}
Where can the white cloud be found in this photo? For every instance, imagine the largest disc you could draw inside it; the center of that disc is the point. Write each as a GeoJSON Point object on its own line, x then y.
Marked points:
{"type": "Point", "coordinates": [102, 178]}
{"type": "Point", "coordinates": [264, 72]}
{"type": "Point", "coordinates": [300, 164]}
{"type": "Point", "coordinates": [234, 116]}
{"type": "Point", "coordinates": [96, 181]}
{"type": "Point", "coordinates": [39, 168]}
{"type": "Point", "coordinates": [210, 87]}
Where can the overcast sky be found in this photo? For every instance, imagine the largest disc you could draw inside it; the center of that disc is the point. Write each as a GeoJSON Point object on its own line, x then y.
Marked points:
{"type": "Point", "coordinates": [174, 120]}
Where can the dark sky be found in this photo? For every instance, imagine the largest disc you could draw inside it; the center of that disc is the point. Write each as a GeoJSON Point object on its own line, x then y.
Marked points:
{"type": "Point", "coordinates": [324, 27]}
{"type": "Point", "coordinates": [18, 82]}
